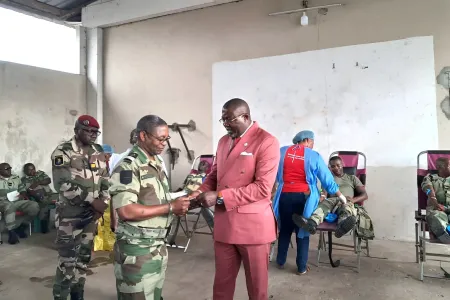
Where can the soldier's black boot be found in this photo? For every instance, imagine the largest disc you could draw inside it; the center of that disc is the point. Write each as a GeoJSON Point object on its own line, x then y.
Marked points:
{"type": "Point", "coordinates": [77, 290]}
{"type": "Point", "coordinates": [345, 226]}
{"type": "Point", "coordinates": [77, 295]}
{"type": "Point", "coordinates": [307, 224]}
{"type": "Point", "coordinates": [44, 226]}
{"type": "Point", "coordinates": [22, 231]}
{"type": "Point", "coordinates": [12, 237]}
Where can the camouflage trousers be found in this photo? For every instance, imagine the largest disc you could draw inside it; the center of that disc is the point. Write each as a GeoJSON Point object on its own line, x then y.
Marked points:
{"type": "Point", "coordinates": [438, 222]}
{"type": "Point", "coordinates": [74, 254]}
{"type": "Point", "coordinates": [8, 210]}
{"type": "Point", "coordinates": [327, 206]}
{"type": "Point", "coordinates": [140, 268]}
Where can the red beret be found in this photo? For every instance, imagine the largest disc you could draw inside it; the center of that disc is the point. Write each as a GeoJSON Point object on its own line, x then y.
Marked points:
{"type": "Point", "coordinates": [88, 121]}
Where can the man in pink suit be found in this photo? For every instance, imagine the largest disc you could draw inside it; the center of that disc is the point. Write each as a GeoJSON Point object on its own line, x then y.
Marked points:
{"type": "Point", "coordinates": [240, 186]}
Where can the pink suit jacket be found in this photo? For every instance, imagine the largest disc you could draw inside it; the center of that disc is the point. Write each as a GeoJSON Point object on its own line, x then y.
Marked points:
{"type": "Point", "coordinates": [245, 177]}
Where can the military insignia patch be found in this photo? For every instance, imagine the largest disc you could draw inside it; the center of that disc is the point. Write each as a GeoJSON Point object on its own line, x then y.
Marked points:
{"type": "Point", "coordinates": [58, 161]}
{"type": "Point", "coordinates": [126, 176]}
{"type": "Point", "coordinates": [146, 176]}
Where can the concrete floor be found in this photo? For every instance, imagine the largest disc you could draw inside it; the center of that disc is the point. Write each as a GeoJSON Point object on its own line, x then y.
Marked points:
{"type": "Point", "coordinates": [27, 270]}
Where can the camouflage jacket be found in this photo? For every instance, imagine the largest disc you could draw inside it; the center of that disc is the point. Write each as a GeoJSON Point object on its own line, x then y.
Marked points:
{"type": "Point", "coordinates": [193, 182]}
{"type": "Point", "coordinates": [137, 179]}
{"type": "Point", "coordinates": [7, 185]}
{"type": "Point", "coordinates": [40, 175]}
{"type": "Point", "coordinates": [80, 176]}
{"type": "Point", "coordinates": [441, 187]}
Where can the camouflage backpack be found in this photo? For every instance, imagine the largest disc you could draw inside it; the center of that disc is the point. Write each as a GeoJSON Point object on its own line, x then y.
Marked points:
{"type": "Point", "coordinates": [364, 225]}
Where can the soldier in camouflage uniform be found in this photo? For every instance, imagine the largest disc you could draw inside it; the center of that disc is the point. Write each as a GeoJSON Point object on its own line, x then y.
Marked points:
{"type": "Point", "coordinates": [37, 185]}
{"type": "Point", "coordinates": [194, 181]}
{"type": "Point", "coordinates": [81, 177]}
{"type": "Point", "coordinates": [140, 194]}
{"type": "Point", "coordinates": [15, 225]}
{"type": "Point", "coordinates": [352, 188]}
{"type": "Point", "coordinates": [437, 187]}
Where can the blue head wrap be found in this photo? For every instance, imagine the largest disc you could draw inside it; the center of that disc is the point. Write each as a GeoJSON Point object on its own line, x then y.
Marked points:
{"type": "Point", "coordinates": [108, 149]}
{"type": "Point", "coordinates": [305, 134]}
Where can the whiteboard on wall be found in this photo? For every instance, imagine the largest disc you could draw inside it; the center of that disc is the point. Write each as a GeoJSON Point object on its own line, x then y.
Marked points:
{"type": "Point", "coordinates": [376, 98]}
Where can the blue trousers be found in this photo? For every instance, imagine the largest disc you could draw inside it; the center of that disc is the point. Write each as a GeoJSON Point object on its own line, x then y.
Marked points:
{"type": "Point", "coordinates": [291, 203]}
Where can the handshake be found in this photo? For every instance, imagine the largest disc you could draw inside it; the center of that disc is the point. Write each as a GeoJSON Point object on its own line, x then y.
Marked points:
{"type": "Point", "coordinates": [183, 204]}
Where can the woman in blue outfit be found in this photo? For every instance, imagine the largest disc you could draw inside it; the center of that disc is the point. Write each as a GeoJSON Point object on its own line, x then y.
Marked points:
{"type": "Point", "coordinates": [297, 193]}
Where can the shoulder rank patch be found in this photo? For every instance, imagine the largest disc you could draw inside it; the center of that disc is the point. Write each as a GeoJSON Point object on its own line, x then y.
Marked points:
{"type": "Point", "coordinates": [133, 154]}
{"type": "Point", "coordinates": [58, 160]}
{"type": "Point", "coordinates": [127, 160]}
{"type": "Point", "coordinates": [126, 176]}
{"type": "Point", "coordinates": [146, 176]}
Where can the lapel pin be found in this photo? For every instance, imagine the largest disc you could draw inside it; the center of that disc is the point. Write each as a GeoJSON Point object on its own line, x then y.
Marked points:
{"type": "Point", "coordinates": [245, 145]}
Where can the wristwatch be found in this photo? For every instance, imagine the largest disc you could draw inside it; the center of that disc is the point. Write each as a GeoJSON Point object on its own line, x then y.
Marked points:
{"type": "Point", "coordinates": [219, 198]}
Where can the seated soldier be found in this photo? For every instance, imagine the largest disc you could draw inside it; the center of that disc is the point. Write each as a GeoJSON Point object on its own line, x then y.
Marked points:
{"type": "Point", "coordinates": [194, 181]}
{"type": "Point", "coordinates": [349, 185]}
{"type": "Point", "coordinates": [437, 187]}
{"type": "Point", "coordinates": [15, 225]}
{"type": "Point", "coordinates": [37, 185]}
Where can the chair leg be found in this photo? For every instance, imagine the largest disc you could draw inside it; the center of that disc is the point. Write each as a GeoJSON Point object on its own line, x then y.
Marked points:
{"type": "Point", "coordinates": [421, 271]}
{"type": "Point", "coordinates": [319, 248]}
{"type": "Point", "coordinates": [358, 255]}
{"type": "Point", "coordinates": [417, 242]}
{"type": "Point", "coordinates": [367, 248]}
{"type": "Point", "coordinates": [272, 251]}
{"type": "Point", "coordinates": [191, 234]}
{"type": "Point", "coordinates": [422, 259]}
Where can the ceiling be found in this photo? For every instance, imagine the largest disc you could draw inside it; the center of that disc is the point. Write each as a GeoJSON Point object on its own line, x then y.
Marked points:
{"type": "Point", "coordinates": [57, 10]}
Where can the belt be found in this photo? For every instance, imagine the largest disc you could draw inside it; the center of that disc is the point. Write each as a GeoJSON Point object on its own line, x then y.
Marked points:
{"type": "Point", "coordinates": [141, 232]}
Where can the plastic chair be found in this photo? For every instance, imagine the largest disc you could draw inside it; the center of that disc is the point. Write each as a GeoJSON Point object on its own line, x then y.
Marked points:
{"type": "Point", "coordinates": [351, 166]}
{"type": "Point", "coordinates": [421, 226]}
{"type": "Point", "coordinates": [183, 222]}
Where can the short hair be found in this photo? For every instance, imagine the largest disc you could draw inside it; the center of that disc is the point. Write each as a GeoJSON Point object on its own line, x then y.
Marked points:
{"type": "Point", "coordinates": [334, 158]}
{"type": "Point", "coordinates": [441, 161]}
{"type": "Point", "coordinates": [148, 123]}
{"type": "Point", "coordinates": [237, 103]}
{"type": "Point", "coordinates": [25, 166]}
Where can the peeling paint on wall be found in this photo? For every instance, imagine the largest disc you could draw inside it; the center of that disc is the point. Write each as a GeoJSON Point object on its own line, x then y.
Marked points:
{"type": "Point", "coordinates": [37, 113]}
{"type": "Point", "coordinates": [445, 107]}
{"type": "Point", "coordinates": [444, 80]}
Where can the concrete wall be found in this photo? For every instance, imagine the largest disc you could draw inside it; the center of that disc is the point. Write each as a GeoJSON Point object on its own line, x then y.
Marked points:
{"type": "Point", "coordinates": [117, 12]}
{"type": "Point", "coordinates": [163, 66]}
{"type": "Point", "coordinates": [35, 113]}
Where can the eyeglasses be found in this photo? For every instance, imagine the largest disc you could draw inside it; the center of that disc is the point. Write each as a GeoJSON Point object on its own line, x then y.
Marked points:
{"type": "Point", "coordinates": [225, 120]}
{"type": "Point", "coordinates": [161, 140]}
{"type": "Point", "coordinates": [92, 132]}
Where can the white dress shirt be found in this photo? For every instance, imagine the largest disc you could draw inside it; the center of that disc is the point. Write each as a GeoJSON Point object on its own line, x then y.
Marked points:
{"type": "Point", "coordinates": [116, 158]}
